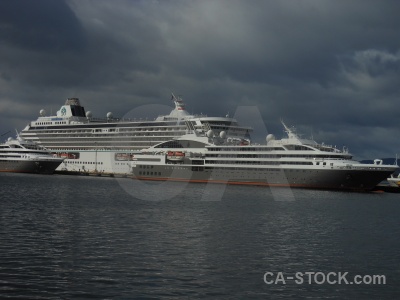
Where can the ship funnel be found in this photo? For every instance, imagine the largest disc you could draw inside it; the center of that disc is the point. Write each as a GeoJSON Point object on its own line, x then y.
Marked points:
{"type": "Point", "coordinates": [73, 101]}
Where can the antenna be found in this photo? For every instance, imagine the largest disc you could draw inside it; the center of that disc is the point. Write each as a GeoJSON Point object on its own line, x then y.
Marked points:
{"type": "Point", "coordinates": [174, 98]}
{"type": "Point", "coordinates": [284, 125]}
{"type": "Point", "coordinates": [287, 129]}
{"type": "Point", "coordinates": [6, 133]}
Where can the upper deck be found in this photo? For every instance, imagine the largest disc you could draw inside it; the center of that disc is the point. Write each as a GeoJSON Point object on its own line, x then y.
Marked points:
{"type": "Point", "coordinates": [73, 128]}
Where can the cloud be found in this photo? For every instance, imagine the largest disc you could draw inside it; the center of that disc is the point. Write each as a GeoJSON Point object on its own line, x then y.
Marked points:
{"type": "Point", "coordinates": [327, 65]}
{"type": "Point", "coordinates": [43, 25]}
{"type": "Point", "coordinates": [41, 42]}
{"type": "Point", "coordinates": [372, 70]}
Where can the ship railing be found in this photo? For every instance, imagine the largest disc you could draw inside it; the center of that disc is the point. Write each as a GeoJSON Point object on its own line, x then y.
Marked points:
{"type": "Point", "coordinates": [186, 117]}
{"type": "Point", "coordinates": [198, 116]}
{"type": "Point", "coordinates": [323, 158]}
{"type": "Point", "coordinates": [329, 148]}
{"type": "Point", "coordinates": [114, 120]}
{"type": "Point", "coordinates": [352, 167]}
{"type": "Point", "coordinates": [111, 120]}
{"type": "Point", "coordinates": [97, 120]}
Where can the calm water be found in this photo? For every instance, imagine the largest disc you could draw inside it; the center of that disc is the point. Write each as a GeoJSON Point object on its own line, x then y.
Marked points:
{"type": "Point", "coordinates": [66, 237]}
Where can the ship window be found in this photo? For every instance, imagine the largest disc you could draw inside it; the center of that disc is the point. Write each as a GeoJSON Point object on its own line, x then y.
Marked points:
{"type": "Point", "coordinates": [170, 144]}
{"type": "Point", "coordinates": [297, 147]}
{"type": "Point", "coordinates": [181, 144]}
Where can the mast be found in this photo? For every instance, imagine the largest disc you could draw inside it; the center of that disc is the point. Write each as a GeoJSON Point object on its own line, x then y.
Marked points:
{"type": "Point", "coordinates": [290, 132]}
{"type": "Point", "coordinates": [179, 104]}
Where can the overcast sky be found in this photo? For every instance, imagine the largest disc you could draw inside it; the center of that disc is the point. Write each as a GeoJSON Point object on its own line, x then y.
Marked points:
{"type": "Point", "coordinates": [331, 68]}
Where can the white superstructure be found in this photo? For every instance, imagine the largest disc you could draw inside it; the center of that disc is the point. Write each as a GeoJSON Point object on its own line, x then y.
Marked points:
{"type": "Point", "coordinates": [290, 161]}
{"type": "Point", "coordinates": [107, 145]}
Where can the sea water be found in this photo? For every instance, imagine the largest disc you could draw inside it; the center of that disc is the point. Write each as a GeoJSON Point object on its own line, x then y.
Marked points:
{"type": "Point", "coordinates": [79, 237]}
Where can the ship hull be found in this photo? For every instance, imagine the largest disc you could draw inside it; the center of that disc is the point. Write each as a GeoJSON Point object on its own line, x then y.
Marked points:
{"type": "Point", "coordinates": [356, 180]}
{"type": "Point", "coordinates": [24, 166]}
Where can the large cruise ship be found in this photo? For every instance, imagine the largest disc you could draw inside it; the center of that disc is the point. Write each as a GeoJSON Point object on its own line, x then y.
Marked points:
{"type": "Point", "coordinates": [94, 145]}
{"type": "Point", "coordinates": [208, 156]}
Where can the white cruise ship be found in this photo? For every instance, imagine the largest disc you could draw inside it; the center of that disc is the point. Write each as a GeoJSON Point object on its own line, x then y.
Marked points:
{"type": "Point", "coordinates": [289, 162]}
{"type": "Point", "coordinates": [107, 145]}
{"type": "Point", "coordinates": [21, 156]}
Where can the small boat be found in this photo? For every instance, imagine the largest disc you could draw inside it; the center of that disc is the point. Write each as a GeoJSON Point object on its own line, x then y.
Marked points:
{"type": "Point", "coordinates": [22, 156]}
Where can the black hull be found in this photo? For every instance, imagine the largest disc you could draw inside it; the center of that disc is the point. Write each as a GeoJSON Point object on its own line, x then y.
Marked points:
{"type": "Point", "coordinates": [24, 166]}
{"type": "Point", "coordinates": [333, 179]}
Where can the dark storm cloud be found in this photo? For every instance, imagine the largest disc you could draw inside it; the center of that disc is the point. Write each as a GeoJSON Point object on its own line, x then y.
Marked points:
{"type": "Point", "coordinates": [40, 42]}
{"type": "Point", "coordinates": [330, 67]}
{"type": "Point", "coordinates": [42, 25]}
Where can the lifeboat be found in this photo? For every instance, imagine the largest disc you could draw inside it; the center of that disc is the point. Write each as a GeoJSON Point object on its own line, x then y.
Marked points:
{"type": "Point", "coordinates": [67, 155]}
{"type": "Point", "coordinates": [71, 155]}
{"type": "Point", "coordinates": [122, 156]}
{"type": "Point", "coordinates": [175, 155]}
